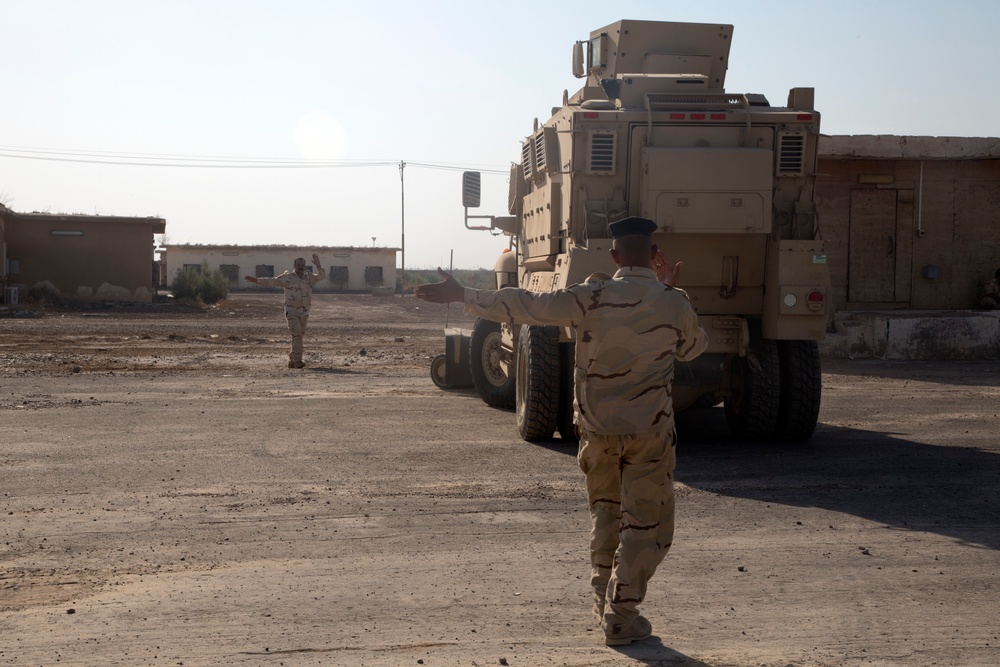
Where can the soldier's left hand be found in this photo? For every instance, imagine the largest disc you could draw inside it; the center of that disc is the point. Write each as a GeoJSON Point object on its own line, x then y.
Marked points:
{"type": "Point", "coordinates": [445, 291]}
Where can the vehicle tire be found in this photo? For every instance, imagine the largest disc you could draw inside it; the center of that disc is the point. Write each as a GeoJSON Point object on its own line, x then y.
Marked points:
{"type": "Point", "coordinates": [537, 394]}
{"type": "Point", "coordinates": [491, 381]}
{"type": "Point", "coordinates": [754, 391]}
{"type": "Point", "coordinates": [564, 421]}
{"type": "Point", "coordinates": [706, 401]}
{"type": "Point", "coordinates": [801, 389]}
{"type": "Point", "coordinates": [438, 371]}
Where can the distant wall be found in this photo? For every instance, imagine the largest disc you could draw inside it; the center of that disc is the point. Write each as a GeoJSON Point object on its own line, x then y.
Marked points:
{"type": "Point", "coordinates": [347, 269]}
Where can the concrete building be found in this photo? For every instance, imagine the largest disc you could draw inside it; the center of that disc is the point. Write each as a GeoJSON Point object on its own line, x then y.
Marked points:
{"type": "Point", "coordinates": [909, 222]}
{"type": "Point", "coordinates": [348, 269]}
{"type": "Point", "coordinates": [911, 227]}
{"type": "Point", "coordinates": [85, 257]}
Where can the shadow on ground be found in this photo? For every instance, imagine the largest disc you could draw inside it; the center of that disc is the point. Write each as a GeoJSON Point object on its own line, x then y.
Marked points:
{"type": "Point", "coordinates": [880, 477]}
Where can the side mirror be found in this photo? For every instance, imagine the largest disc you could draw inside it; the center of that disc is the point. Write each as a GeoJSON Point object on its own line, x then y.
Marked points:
{"type": "Point", "coordinates": [578, 66]}
{"type": "Point", "coordinates": [471, 189]}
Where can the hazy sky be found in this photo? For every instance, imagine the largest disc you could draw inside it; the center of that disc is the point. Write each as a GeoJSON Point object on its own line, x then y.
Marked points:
{"type": "Point", "coordinates": [450, 84]}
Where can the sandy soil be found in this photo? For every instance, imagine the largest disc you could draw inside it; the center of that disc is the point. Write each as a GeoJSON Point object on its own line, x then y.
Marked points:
{"type": "Point", "coordinates": [171, 494]}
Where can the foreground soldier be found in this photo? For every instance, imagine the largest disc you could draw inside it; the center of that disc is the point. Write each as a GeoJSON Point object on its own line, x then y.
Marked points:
{"type": "Point", "coordinates": [629, 330]}
{"type": "Point", "coordinates": [298, 286]}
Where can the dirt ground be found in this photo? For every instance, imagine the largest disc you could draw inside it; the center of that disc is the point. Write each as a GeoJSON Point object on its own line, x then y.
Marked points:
{"type": "Point", "coordinates": [171, 494]}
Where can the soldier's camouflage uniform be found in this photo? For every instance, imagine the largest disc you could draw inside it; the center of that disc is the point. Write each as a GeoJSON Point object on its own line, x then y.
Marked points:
{"type": "Point", "coordinates": [629, 331]}
{"type": "Point", "coordinates": [298, 299]}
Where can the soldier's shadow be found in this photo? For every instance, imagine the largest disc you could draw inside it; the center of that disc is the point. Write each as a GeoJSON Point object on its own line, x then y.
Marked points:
{"type": "Point", "coordinates": [652, 651]}
{"type": "Point", "coordinates": [331, 370]}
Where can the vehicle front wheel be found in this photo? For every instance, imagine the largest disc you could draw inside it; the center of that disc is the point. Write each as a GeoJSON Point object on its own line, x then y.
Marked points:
{"type": "Point", "coordinates": [537, 395]}
{"type": "Point", "coordinates": [486, 355]}
{"type": "Point", "coordinates": [438, 371]}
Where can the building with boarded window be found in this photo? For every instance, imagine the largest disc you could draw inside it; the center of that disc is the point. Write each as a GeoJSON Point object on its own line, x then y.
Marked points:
{"type": "Point", "coordinates": [909, 223]}
{"type": "Point", "coordinates": [348, 269]}
{"type": "Point", "coordinates": [85, 257]}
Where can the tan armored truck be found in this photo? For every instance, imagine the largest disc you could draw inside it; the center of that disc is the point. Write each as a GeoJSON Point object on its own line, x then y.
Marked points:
{"type": "Point", "coordinates": [727, 177]}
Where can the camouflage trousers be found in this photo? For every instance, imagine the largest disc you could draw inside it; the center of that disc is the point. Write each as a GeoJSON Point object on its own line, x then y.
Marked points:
{"type": "Point", "coordinates": [297, 327]}
{"type": "Point", "coordinates": [630, 487]}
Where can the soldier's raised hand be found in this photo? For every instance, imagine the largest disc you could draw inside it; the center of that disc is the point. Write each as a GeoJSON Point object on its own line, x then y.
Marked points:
{"type": "Point", "coordinates": [667, 272]}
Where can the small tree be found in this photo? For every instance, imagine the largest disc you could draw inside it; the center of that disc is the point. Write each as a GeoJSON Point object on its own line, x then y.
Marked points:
{"type": "Point", "coordinates": [204, 285]}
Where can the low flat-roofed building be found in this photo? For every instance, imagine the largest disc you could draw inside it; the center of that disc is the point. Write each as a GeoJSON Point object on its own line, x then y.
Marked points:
{"type": "Point", "coordinates": [348, 269]}
{"type": "Point", "coordinates": [86, 257]}
{"type": "Point", "coordinates": [909, 223]}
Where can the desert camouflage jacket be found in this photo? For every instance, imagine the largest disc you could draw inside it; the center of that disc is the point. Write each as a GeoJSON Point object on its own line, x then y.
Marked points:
{"type": "Point", "coordinates": [298, 291]}
{"type": "Point", "coordinates": [629, 331]}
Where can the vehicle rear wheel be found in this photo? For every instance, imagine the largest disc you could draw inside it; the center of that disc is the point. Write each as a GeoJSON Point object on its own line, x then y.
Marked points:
{"type": "Point", "coordinates": [753, 401]}
{"type": "Point", "coordinates": [492, 382]}
{"type": "Point", "coordinates": [564, 422]}
{"type": "Point", "coordinates": [537, 394]}
{"type": "Point", "coordinates": [438, 371]}
{"type": "Point", "coordinates": [801, 389]}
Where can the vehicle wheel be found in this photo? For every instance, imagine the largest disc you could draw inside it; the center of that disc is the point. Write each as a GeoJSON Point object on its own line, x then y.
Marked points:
{"type": "Point", "coordinates": [755, 381]}
{"type": "Point", "coordinates": [492, 382]}
{"type": "Point", "coordinates": [706, 401]}
{"type": "Point", "coordinates": [801, 389]}
{"type": "Point", "coordinates": [564, 421]}
{"type": "Point", "coordinates": [438, 371]}
{"type": "Point", "coordinates": [537, 394]}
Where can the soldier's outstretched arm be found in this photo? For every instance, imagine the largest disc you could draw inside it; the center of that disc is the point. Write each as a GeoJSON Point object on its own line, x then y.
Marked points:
{"type": "Point", "coordinates": [447, 291]}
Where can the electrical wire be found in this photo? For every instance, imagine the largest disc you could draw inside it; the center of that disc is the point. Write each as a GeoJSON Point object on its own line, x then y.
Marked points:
{"type": "Point", "coordinates": [213, 162]}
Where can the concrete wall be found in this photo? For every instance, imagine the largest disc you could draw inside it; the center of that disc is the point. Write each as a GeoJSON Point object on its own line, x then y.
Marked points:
{"type": "Point", "coordinates": [348, 269]}
{"type": "Point", "coordinates": [83, 257]}
{"type": "Point", "coordinates": [909, 222]}
{"type": "Point", "coordinates": [914, 335]}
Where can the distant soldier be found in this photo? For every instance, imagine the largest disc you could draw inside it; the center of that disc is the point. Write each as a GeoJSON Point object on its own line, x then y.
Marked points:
{"type": "Point", "coordinates": [991, 297]}
{"type": "Point", "coordinates": [630, 328]}
{"type": "Point", "coordinates": [298, 286]}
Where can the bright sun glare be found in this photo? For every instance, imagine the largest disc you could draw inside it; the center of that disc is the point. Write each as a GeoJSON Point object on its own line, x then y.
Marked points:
{"type": "Point", "coordinates": [319, 136]}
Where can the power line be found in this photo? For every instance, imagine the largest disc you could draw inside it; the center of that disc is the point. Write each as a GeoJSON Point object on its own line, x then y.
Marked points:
{"type": "Point", "coordinates": [212, 162]}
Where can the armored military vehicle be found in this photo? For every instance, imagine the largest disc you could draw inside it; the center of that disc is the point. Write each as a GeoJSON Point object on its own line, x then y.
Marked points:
{"type": "Point", "coordinates": [727, 177]}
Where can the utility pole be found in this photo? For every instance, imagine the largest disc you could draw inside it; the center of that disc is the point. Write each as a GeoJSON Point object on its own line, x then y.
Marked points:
{"type": "Point", "coordinates": [402, 225]}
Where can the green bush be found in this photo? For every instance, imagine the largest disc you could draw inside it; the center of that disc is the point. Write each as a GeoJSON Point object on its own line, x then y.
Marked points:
{"type": "Point", "coordinates": [204, 286]}
{"type": "Point", "coordinates": [45, 294]}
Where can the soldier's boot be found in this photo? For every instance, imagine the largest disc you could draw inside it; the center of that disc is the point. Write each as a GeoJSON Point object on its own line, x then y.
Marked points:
{"type": "Point", "coordinates": [636, 631]}
{"type": "Point", "coordinates": [296, 362]}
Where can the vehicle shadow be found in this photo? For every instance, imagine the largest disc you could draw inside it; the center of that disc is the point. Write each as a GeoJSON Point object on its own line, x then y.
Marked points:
{"type": "Point", "coordinates": [880, 477]}
{"type": "Point", "coordinates": [965, 373]}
